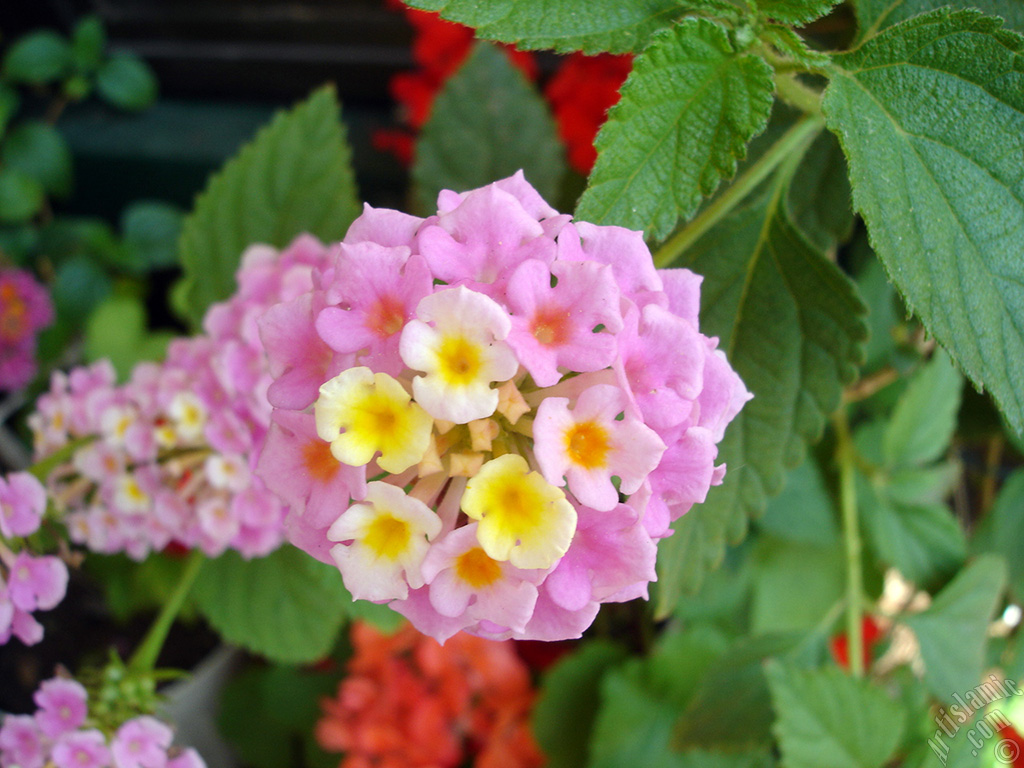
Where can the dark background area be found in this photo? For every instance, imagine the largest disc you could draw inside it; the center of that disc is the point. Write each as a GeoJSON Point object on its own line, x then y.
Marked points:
{"type": "Point", "coordinates": [223, 67]}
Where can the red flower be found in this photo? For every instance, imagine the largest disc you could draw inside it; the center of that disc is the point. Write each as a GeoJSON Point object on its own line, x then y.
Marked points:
{"type": "Point", "coordinates": [581, 93]}
{"type": "Point", "coordinates": [870, 632]}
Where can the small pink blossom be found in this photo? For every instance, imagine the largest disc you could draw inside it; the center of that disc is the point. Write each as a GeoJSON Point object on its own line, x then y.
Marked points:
{"type": "Point", "coordinates": [62, 706]}
{"type": "Point", "coordinates": [142, 742]}
{"type": "Point", "coordinates": [22, 504]}
{"type": "Point", "coordinates": [82, 749]}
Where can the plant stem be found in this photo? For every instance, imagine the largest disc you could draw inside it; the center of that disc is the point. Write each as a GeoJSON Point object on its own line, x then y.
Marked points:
{"type": "Point", "coordinates": [846, 458]}
{"type": "Point", "coordinates": [796, 139]}
{"type": "Point", "coordinates": [798, 95]}
{"type": "Point", "coordinates": [145, 656]}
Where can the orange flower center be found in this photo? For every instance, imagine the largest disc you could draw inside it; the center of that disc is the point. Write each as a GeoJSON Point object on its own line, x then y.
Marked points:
{"type": "Point", "coordinates": [477, 569]}
{"type": "Point", "coordinates": [588, 444]}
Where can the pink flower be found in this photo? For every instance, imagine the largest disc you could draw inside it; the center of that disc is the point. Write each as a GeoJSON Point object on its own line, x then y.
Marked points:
{"type": "Point", "coordinates": [62, 706]}
{"type": "Point", "coordinates": [22, 503]}
{"type": "Point", "coordinates": [25, 309]}
{"type": "Point", "coordinates": [531, 393]}
{"type": "Point", "coordinates": [142, 742]}
{"type": "Point", "coordinates": [21, 743]}
{"type": "Point", "coordinates": [82, 749]}
{"type": "Point", "coordinates": [37, 582]}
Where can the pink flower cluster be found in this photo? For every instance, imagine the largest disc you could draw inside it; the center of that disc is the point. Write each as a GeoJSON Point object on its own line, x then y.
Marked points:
{"type": "Point", "coordinates": [25, 309]}
{"type": "Point", "coordinates": [169, 455]}
{"type": "Point", "coordinates": [28, 582]}
{"type": "Point", "coordinates": [61, 734]}
{"type": "Point", "coordinates": [487, 418]}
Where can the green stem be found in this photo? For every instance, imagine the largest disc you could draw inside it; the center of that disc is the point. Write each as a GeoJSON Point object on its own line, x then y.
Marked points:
{"type": "Point", "coordinates": [795, 140]}
{"type": "Point", "coordinates": [145, 656]}
{"type": "Point", "coordinates": [846, 458]}
{"type": "Point", "coordinates": [798, 95]}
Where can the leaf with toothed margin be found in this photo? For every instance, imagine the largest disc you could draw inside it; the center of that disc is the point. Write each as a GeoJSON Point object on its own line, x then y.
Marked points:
{"type": "Point", "coordinates": [294, 177]}
{"type": "Point", "coordinates": [792, 325]}
{"type": "Point", "coordinates": [686, 114]}
{"type": "Point", "coordinates": [930, 114]}
{"type": "Point", "coordinates": [564, 25]}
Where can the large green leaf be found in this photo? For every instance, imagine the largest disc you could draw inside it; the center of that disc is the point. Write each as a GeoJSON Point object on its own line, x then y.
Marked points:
{"type": "Point", "coordinates": [795, 584]}
{"type": "Point", "coordinates": [827, 718]}
{"type": "Point", "coordinates": [796, 12]}
{"type": "Point", "coordinates": [792, 326]}
{"type": "Point", "coordinates": [487, 123]}
{"type": "Point", "coordinates": [686, 114]}
{"type": "Point", "coordinates": [924, 418]}
{"type": "Point", "coordinates": [286, 606]}
{"type": "Point", "coordinates": [922, 540]}
{"type": "Point", "coordinates": [564, 714]}
{"type": "Point", "coordinates": [38, 149]}
{"type": "Point", "coordinates": [953, 631]}
{"type": "Point", "coordinates": [876, 15]}
{"type": "Point", "coordinates": [294, 177]}
{"type": "Point", "coordinates": [1002, 531]}
{"type": "Point", "coordinates": [601, 25]}
{"type": "Point", "coordinates": [930, 114]}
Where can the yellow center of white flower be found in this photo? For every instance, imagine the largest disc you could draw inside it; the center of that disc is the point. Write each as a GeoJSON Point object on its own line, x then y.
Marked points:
{"type": "Point", "coordinates": [387, 536]}
{"type": "Point", "coordinates": [360, 413]}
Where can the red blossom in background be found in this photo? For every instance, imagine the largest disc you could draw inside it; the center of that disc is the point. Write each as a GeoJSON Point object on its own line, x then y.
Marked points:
{"type": "Point", "coordinates": [870, 632]}
{"type": "Point", "coordinates": [1013, 749]}
{"type": "Point", "coordinates": [409, 702]}
{"type": "Point", "coordinates": [580, 92]}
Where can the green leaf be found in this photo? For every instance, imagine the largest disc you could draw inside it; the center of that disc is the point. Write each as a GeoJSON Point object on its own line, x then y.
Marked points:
{"type": "Point", "coordinates": [792, 326]}
{"type": "Point", "coordinates": [876, 15]}
{"type": "Point", "coordinates": [487, 123]}
{"type": "Point", "coordinates": [819, 195]}
{"type": "Point", "coordinates": [943, 198]}
{"type": "Point", "coordinates": [285, 703]}
{"type": "Point", "coordinates": [923, 541]}
{"type": "Point", "coordinates": [791, 44]}
{"type": "Point", "coordinates": [734, 690]}
{"type": "Point", "coordinates": [286, 606]}
{"type": "Point", "coordinates": [79, 286]}
{"type": "Point", "coordinates": [116, 330]}
{"type": "Point", "coordinates": [804, 511]}
{"type": "Point", "coordinates": [952, 633]}
{"type": "Point", "coordinates": [880, 296]}
{"type": "Point", "coordinates": [794, 584]}
{"type": "Point", "coordinates": [151, 231]}
{"type": "Point", "coordinates": [37, 58]}
{"type": "Point", "coordinates": [924, 419]}
{"type": "Point", "coordinates": [564, 714]}
{"type": "Point", "coordinates": [294, 177]}
{"type": "Point", "coordinates": [9, 103]}
{"type": "Point", "coordinates": [21, 196]}
{"type": "Point", "coordinates": [87, 43]}
{"type": "Point", "coordinates": [39, 150]}
{"type": "Point", "coordinates": [827, 718]}
{"type": "Point", "coordinates": [127, 82]}
{"type": "Point", "coordinates": [686, 114]}
{"type": "Point", "coordinates": [795, 12]}
{"type": "Point", "coordinates": [1002, 531]}
{"type": "Point", "coordinates": [602, 25]}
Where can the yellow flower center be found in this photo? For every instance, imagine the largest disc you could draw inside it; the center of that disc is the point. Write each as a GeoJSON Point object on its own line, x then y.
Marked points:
{"type": "Point", "coordinates": [475, 568]}
{"type": "Point", "coordinates": [588, 444]}
{"type": "Point", "coordinates": [459, 360]}
{"type": "Point", "coordinates": [387, 536]}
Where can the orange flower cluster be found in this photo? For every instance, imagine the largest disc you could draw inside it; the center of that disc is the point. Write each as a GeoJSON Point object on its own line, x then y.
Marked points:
{"type": "Point", "coordinates": [409, 702]}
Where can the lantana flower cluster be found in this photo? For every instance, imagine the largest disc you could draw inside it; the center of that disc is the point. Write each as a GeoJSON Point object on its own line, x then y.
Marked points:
{"type": "Point", "coordinates": [408, 702]}
{"type": "Point", "coordinates": [63, 733]}
{"type": "Point", "coordinates": [169, 455]}
{"type": "Point", "coordinates": [487, 418]}
{"type": "Point", "coordinates": [28, 582]}
{"type": "Point", "coordinates": [25, 310]}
